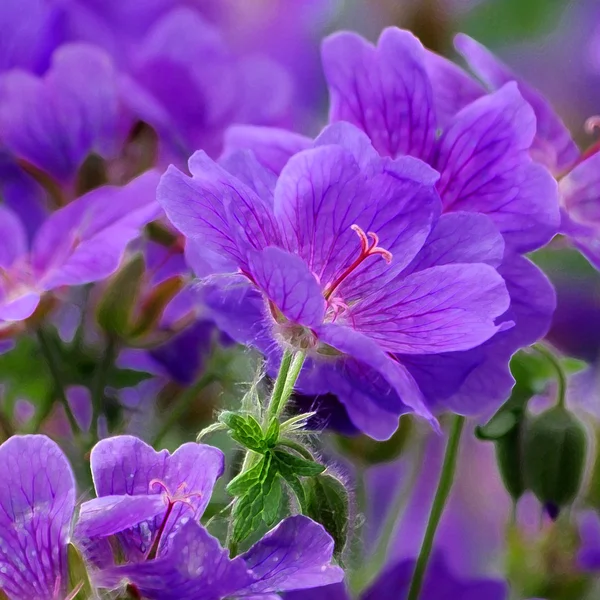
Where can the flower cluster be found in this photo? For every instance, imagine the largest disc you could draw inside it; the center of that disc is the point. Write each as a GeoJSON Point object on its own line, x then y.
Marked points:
{"type": "Point", "coordinates": [190, 247]}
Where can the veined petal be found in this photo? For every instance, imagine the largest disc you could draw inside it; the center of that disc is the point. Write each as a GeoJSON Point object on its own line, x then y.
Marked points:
{"type": "Point", "coordinates": [195, 566]}
{"type": "Point", "coordinates": [272, 147]}
{"type": "Point", "coordinates": [553, 145]}
{"type": "Point", "coordinates": [126, 465]}
{"type": "Point", "coordinates": [85, 240]}
{"type": "Point", "coordinates": [296, 555]}
{"type": "Point", "coordinates": [351, 138]}
{"type": "Point", "coordinates": [460, 237]}
{"type": "Point", "coordinates": [384, 91]}
{"type": "Point", "coordinates": [485, 165]}
{"type": "Point", "coordinates": [37, 501]}
{"type": "Point", "coordinates": [289, 284]}
{"type": "Point", "coordinates": [580, 192]}
{"type": "Point", "coordinates": [108, 515]}
{"type": "Point", "coordinates": [453, 88]}
{"type": "Point", "coordinates": [13, 238]}
{"type": "Point", "coordinates": [443, 308]}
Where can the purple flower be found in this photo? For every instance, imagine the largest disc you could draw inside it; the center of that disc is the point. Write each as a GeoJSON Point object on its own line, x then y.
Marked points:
{"type": "Point", "coordinates": [152, 502]}
{"type": "Point", "coordinates": [579, 174]}
{"type": "Point", "coordinates": [80, 243]}
{"type": "Point", "coordinates": [344, 256]}
{"type": "Point", "coordinates": [56, 120]}
{"type": "Point", "coordinates": [37, 500]}
{"type": "Point", "coordinates": [394, 582]}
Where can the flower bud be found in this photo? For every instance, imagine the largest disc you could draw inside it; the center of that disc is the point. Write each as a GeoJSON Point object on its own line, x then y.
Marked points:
{"type": "Point", "coordinates": [555, 448]}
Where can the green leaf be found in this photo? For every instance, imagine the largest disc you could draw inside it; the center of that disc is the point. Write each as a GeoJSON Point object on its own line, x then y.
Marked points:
{"type": "Point", "coordinates": [241, 483]}
{"type": "Point", "coordinates": [248, 511]}
{"type": "Point", "coordinates": [296, 486]}
{"type": "Point", "coordinates": [272, 435]}
{"type": "Point", "coordinates": [328, 504]}
{"type": "Point", "coordinates": [245, 430]}
{"type": "Point", "coordinates": [116, 305]}
{"type": "Point", "coordinates": [78, 575]}
{"type": "Point", "coordinates": [498, 426]}
{"type": "Point", "coordinates": [272, 503]}
{"type": "Point", "coordinates": [287, 462]}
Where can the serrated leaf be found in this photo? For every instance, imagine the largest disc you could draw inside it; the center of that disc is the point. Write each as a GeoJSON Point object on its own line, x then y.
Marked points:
{"type": "Point", "coordinates": [272, 503]}
{"type": "Point", "coordinates": [296, 486]}
{"type": "Point", "coordinates": [328, 504]}
{"type": "Point", "coordinates": [245, 430]}
{"type": "Point", "coordinates": [248, 511]}
{"type": "Point", "coordinates": [272, 434]}
{"type": "Point", "coordinates": [214, 427]}
{"type": "Point", "coordinates": [116, 305]}
{"type": "Point", "coordinates": [241, 483]}
{"type": "Point", "coordinates": [78, 575]}
{"type": "Point", "coordinates": [295, 464]}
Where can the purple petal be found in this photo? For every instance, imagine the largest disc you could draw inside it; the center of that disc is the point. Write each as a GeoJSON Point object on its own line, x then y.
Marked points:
{"type": "Point", "coordinates": [318, 197]}
{"type": "Point", "coordinates": [384, 91]}
{"type": "Point", "coordinates": [85, 241]}
{"type": "Point", "coordinates": [13, 238]}
{"type": "Point", "coordinates": [589, 552]}
{"type": "Point", "coordinates": [460, 237]}
{"type": "Point", "coordinates": [126, 465]}
{"type": "Point", "coordinates": [489, 382]}
{"type": "Point", "coordinates": [349, 137]}
{"type": "Point", "coordinates": [295, 555]}
{"type": "Point", "coordinates": [553, 145]}
{"type": "Point", "coordinates": [272, 147]}
{"type": "Point", "coordinates": [580, 197]}
{"type": "Point", "coordinates": [288, 283]}
{"type": "Point", "coordinates": [244, 165]}
{"type": "Point", "coordinates": [453, 88]}
{"type": "Point", "coordinates": [484, 161]}
{"type": "Point", "coordinates": [373, 373]}
{"type": "Point", "coordinates": [108, 515]}
{"type": "Point", "coordinates": [37, 501]}
{"type": "Point", "coordinates": [194, 567]}
{"type": "Point", "coordinates": [443, 308]}
{"type": "Point", "coordinates": [55, 122]}
{"type": "Point", "coordinates": [337, 591]}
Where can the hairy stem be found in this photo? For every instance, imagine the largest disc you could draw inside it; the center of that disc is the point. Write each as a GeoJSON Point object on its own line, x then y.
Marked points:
{"type": "Point", "coordinates": [561, 376]}
{"type": "Point", "coordinates": [437, 508]}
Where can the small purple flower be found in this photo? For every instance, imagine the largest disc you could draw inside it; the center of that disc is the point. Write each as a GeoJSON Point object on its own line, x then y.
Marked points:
{"type": "Point", "coordinates": [37, 501]}
{"type": "Point", "coordinates": [578, 173]}
{"type": "Point", "coordinates": [152, 502]}
{"type": "Point", "coordinates": [54, 121]}
{"type": "Point", "coordinates": [80, 243]}
{"type": "Point", "coordinates": [344, 256]}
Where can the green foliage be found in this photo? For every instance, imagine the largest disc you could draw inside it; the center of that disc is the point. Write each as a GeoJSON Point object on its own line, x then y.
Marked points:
{"type": "Point", "coordinates": [78, 575]}
{"type": "Point", "coordinates": [289, 463]}
{"type": "Point", "coordinates": [328, 504]}
{"type": "Point", "coordinates": [245, 430]}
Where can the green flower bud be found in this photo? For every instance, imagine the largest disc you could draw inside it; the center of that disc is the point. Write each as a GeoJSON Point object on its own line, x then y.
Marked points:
{"type": "Point", "coordinates": [555, 448]}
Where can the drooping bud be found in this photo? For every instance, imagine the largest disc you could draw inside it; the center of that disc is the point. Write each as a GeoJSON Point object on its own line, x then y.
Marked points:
{"type": "Point", "coordinates": [327, 504]}
{"type": "Point", "coordinates": [555, 448]}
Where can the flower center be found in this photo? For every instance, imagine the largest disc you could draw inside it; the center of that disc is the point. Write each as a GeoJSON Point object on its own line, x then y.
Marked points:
{"type": "Point", "coordinates": [369, 247]}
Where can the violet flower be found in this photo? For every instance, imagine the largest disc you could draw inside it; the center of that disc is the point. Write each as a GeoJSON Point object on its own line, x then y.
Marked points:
{"type": "Point", "coordinates": [79, 243]}
{"type": "Point", "coordinates": [345, 257]}
{"type": "Point", "coordinates": [37, 501]}
{"type": "Point", "coordinates": [56, 120]}
{"type": "Point", "coordinates": [578, 173]}
{"type": "Point", "coordinates": [152, 502]}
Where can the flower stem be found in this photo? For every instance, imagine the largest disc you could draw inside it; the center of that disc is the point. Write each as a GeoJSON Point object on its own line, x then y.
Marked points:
{"type": "Point", "coordinates": [53, 362]}
{"type": "Point", "coordinates": [561, 377]}
{"type": "Point", "coordinates": [99, 382]}
{"type": "Point", "coordinates": [291, 365]}
{"type": "Point", "coordinates": [437, 508]}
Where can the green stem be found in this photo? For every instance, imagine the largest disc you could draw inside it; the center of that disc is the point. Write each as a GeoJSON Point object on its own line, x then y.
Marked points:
{"type": "Point", "coordinates": [182, 404]}
{"type": "Point", "coordinates": [99, 382]}
{"type": "Point", "coordinates": [561, 376]}
{"type": "Point", "coordinates": [367, 573]}
{"type": "Point", "coordinates": [275, 401]}
{"type": "Point", "coordinates": [54, 367]}
{"type": "Point", "coordinates": [437, 508]}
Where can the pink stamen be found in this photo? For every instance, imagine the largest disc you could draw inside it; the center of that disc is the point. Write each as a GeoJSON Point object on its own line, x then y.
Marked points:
{"type": "Point", "coordinates": [369, 247]}
{"type": "Point", "coordinates": [170, 501]}
{"type": "Point", "coordinates": [592, 125]}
